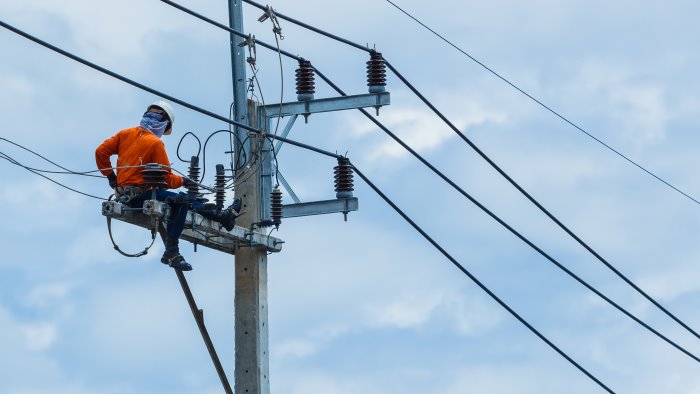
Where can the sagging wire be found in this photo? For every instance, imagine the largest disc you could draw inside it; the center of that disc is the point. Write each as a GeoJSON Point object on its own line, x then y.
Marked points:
{"type": "Point", "coordinates": [204, 150]}
{"type": "Point", "coordinates": [199, 149]}
{"type": "Point", "coordinates": [277, 31]}
{"type": "Point", "coordinates": [67, 171]}
{"type": "Point", "coordinates": [249, 41]}
{"type": "Point", "coordinates": [8, 158]}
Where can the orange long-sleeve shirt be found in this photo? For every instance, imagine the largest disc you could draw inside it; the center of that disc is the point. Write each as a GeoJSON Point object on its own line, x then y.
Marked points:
{"type": "Point", "coordinates": [134, 147]}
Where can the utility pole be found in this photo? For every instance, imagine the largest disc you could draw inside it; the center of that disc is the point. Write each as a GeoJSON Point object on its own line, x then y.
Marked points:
{"type": "Point", "coordinates": [250, 303]}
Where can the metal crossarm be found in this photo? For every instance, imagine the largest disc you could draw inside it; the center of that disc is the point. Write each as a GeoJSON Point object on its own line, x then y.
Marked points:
{"type": "Point", "coordinates": [198, 230]}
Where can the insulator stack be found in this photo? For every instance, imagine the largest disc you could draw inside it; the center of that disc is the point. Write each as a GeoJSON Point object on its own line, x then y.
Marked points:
{"type": "Point", "coordinates": [376, 73]}
{"type": "Point", "coordinates": [193, 174]}
{"type": "Point", "coordinates": [305, 81]}
{"type": "Point", "coordinates": [343, 178]}
{"type": "Point", "coordinates": [154, 176]}
{"type": "Point", "coordinates": [220, 186]}
{"type": "Point", "coordinates": [276, 206]}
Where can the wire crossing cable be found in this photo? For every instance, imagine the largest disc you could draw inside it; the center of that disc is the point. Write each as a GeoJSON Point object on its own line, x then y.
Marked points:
{"type": "Point", "coordinates": [465, 194]}
{"type": "Point", "coordinates": [548, 108]}
{"type": "Point", "coordinates": [503, 173]}
{"type": "Point", "coordinates": [477, 282]}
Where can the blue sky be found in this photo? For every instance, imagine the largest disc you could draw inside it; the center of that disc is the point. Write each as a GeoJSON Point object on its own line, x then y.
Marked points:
{"type": "Point", "coordinates": [368, 305]}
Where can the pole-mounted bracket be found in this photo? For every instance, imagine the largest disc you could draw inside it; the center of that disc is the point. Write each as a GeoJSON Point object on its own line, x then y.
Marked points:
{"type": "Point", "coordinates": [205, 232]}
{"type": "Point", "coordinates": [374, 100]}
{"type": "Point", "coordinates": [337, 205]}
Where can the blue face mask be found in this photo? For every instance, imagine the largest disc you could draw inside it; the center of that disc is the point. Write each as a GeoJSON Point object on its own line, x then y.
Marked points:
{"type": "Point", "coordinates": [155, 122]}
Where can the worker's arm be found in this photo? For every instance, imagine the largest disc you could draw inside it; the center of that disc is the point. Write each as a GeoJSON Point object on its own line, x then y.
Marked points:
{"type": "Point", "coordinates": [161, 156]}
{"type": "Point", "coordinates": [108, 148]}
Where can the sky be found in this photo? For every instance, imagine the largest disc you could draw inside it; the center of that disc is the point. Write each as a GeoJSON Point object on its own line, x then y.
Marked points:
{"type": "Point", "coordinates": [367, 305]}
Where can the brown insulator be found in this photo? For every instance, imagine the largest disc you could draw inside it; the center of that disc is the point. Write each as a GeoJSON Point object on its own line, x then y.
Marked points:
{"type": "Point", "coordinates": [305, 81]}
{"type": "Point", "coordinates": [376, 73]}
{"type": "Point", "coordinates": [343, 178]}
{"type": "Point", "coordinates": [193, 174]}
{"type": "Point", "coordinates": [276, 206]}
{"type": "Point", "coordinates": [220, 186]}
{"type": "Point", "coordinates": [154, 176]}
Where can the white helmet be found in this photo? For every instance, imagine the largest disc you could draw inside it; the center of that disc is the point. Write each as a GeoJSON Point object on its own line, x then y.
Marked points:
{"type": "Point", "coordinates": [168, 110]}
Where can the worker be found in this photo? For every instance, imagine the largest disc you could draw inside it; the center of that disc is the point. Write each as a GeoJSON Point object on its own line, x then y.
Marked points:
{"type": "Point", "coordinates": [140, 145]}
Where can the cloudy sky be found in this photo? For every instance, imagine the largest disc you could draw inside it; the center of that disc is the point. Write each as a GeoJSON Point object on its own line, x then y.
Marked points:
{"type": "Point", "coordinates": [368, 305]}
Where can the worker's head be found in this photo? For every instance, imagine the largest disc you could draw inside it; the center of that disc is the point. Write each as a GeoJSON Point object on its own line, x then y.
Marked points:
{"type": "Point", "coordinates": [164, 108]}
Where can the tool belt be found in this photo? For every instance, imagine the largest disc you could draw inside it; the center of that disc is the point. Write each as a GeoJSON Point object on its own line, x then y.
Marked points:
{"type": "Point", "coordinates": [124, 194]}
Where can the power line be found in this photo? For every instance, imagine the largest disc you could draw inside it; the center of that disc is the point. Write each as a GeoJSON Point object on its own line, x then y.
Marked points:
{"type": "Point", "coordinates": [36, 172]}
{"type": "Point", "coordinates": [548, 108]}
{"type": "Point", "coordinates": [175, 100]}
{"type": "Point", "coordinates": [477, 282]}
{"type": "Point", "coordinates": [491, 162]}
{"type": "Point", "coordinates": [498, 219]}
{"type": "Point", "coordinates": [125, 79]}
{"type": "Point", "coordinates": [66, 171]}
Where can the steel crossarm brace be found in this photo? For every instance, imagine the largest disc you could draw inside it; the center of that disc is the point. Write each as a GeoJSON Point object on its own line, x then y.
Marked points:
{"type": "Point", "coordinates": [343, 205]}
{"type": "Point", "coordinates": [328, 104]}
{"type": "Point", "coordinates": [205, 232]}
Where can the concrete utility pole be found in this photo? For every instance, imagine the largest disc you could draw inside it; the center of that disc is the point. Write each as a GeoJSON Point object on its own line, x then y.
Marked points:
{"type": "Point", "coordinates": [251, 328]}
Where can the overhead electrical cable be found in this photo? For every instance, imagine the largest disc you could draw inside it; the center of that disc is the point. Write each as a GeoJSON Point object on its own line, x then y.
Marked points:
{"type": "Point", "coordinates": [495, 166]}
{"type": "Point", "coordinates": [67, 171]}
{"type": "Point", "coordinates": [465, 194]}
{"type": "Point", "coordinates": [452, 259]}
{"type": "Point", "coordinates": [477, 281]}
{"type": "Point", "coordinates": [213, 115]}
{"type": "Point", "coordinates": [4, 156]}
{"type": "Point", "coordinates": [548, 108]}
{"type": "Point", "coordinates": [126, 80]}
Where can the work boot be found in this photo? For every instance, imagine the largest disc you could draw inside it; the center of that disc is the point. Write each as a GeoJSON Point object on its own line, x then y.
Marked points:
{"type": "Point", "coordinates": [173, 258]}
{"type": "Point", "coordinates": [226, 217]}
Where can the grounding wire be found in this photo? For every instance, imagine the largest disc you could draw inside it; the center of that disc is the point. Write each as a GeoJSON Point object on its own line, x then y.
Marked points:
{"type": "Point", "coordinates": [461, 191]}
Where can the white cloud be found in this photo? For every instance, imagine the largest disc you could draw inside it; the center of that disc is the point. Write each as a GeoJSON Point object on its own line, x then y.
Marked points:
{"type": "Point", "coordinates": [294, 348]}
{"type": "Point", "coordinates": [40, 336]}
{"type": "Point", "coordinates": [407, 312]}
{"type": "Point", "coordinates": [421, 129]}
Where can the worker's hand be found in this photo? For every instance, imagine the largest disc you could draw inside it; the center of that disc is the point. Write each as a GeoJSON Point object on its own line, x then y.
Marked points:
{"type": "Point", "coordinates": [112, 178]}
{"type": "Point", "coordinates": [187, 182]}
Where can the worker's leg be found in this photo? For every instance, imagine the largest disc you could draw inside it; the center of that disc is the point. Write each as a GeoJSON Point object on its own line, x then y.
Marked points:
{"type": "Point", "coordinates": [175, 224]}
{"type": "Point", "coordinates": [226, 217]}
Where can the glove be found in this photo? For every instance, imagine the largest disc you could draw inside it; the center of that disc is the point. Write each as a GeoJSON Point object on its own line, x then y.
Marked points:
{"type": "Point", "coordinates": [112, 178]}
{"type": "Point", "coordinates": [187, 182]}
